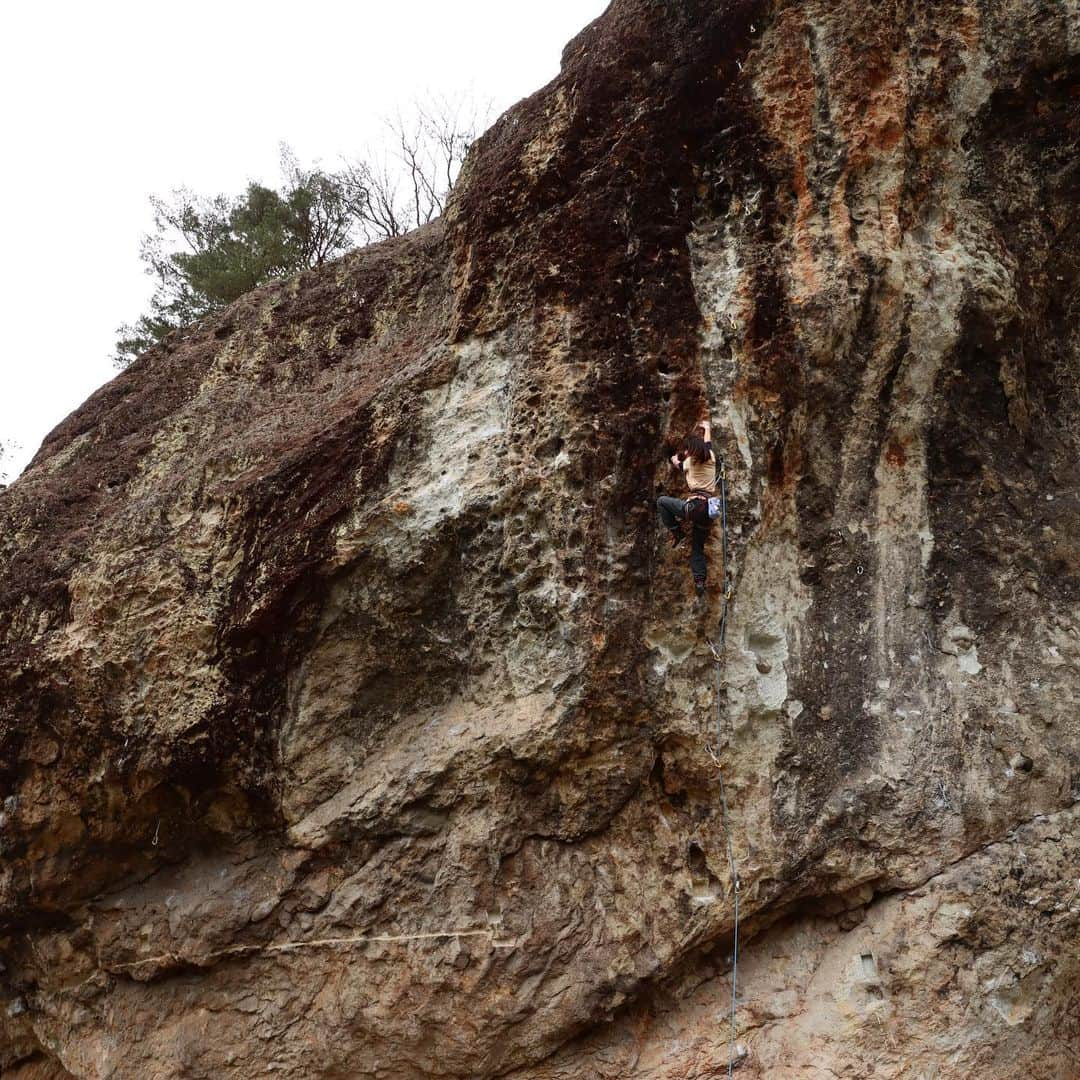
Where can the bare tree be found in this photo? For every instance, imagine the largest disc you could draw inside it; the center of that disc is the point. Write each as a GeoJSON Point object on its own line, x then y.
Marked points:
{"type": "Point", "coordinates": [326, 208]}
{"type": "Point", "coordinates": [374, 183]}
{"type": "Point", "coordinates": [407, 186]}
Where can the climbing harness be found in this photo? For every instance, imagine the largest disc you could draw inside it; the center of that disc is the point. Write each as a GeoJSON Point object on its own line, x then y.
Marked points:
{"type": "Point", "coordinates": [717, 649]}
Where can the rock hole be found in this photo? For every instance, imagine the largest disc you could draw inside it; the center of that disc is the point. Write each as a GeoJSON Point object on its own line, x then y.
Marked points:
{"type": "Point", "coordinates": [656, 774]}
{"type": "Point", "coordinates": [550, 447]}
{"type": "Point", "coordinates": [704, 886]}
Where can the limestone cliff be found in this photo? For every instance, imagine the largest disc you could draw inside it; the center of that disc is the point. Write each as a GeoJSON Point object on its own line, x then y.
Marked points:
{"type": "Point", "coordinates": [346, 615]}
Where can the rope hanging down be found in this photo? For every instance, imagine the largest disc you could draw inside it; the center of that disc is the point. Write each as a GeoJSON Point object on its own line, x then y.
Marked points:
{"type": "Point", "coordinates": [717, 648]}
{"type": "Point", "coordinates": [312, 943]}
{"type": "Point", "coordinates": [203, 959]}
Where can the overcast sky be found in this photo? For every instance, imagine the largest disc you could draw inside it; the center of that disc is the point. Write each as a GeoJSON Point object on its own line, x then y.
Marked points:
{"type": "Point", "coordinates": [107, 102]}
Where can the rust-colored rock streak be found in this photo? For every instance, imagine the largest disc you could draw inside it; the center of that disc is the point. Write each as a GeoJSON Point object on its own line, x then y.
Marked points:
{"type": "Point", "coordinates": [356, 722]}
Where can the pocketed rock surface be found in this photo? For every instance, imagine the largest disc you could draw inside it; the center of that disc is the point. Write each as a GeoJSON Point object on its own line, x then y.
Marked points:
{"type": "Point", "coordinates": [345, 615]}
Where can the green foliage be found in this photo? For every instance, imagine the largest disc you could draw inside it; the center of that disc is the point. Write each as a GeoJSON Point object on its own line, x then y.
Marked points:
{"type": "Point", "coordinates": [205, 253]}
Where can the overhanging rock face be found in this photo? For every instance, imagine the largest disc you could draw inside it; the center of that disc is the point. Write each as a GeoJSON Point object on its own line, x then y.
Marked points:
{"type": "Point", "coordinates": [346, 615]}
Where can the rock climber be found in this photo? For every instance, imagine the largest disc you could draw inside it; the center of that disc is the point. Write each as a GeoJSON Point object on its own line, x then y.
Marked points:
{"type": "Point", "coordinates": [697, 462]}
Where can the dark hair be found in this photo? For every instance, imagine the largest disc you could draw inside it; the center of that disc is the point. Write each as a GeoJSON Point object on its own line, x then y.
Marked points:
{"type": "Point", "coordinates": [694, 446]}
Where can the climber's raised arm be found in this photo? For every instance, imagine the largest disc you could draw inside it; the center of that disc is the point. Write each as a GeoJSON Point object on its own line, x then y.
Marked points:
{"type": "Point", "coordinates": [706, 429]}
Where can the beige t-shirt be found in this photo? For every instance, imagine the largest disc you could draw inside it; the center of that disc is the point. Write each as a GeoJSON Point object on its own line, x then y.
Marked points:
{"type": "Point", "coordinates": [700, 477]}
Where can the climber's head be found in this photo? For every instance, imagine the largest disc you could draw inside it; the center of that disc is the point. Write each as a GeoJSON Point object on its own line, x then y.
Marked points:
{"type": "Point", "coordinates": [694, 447]}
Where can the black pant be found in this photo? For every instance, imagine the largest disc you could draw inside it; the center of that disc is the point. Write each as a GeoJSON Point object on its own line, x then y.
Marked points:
{"type": "Point", "coordinates": [672, 511]}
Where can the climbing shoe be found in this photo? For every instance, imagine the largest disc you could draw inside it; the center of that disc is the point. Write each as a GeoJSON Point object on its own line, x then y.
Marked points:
{"type": "Point", "coordinates": [676, 537]}
{"type": "Point", "coordinates": [699, 587]}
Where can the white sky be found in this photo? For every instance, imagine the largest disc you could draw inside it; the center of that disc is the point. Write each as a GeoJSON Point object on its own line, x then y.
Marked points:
{"type": "Point", "coordinates": [105, 103]}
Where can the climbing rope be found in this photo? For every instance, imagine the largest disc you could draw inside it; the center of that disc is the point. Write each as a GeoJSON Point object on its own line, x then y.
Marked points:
{"type": "Point", "coordinates": [732, 1043]}
{"type": "Point", "coordinates": [717, 650]}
